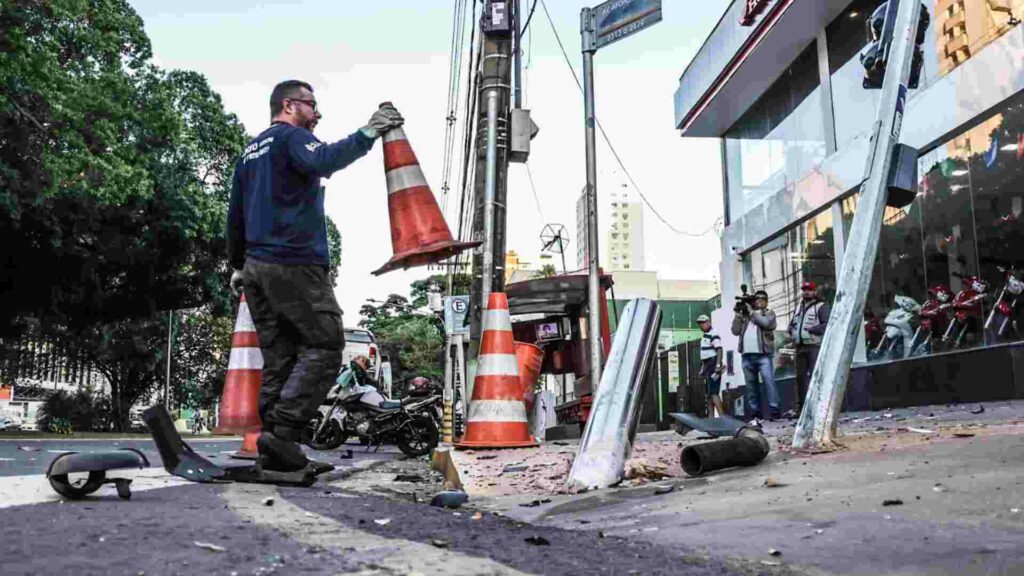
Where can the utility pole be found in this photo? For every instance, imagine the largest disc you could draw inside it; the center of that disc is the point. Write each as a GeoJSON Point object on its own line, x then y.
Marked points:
{"type": "Point", "coordinates": [167, 381]}
{"type": "Point", "coordinates": [816, 427]}
{"type": "Point", "coordinates": [490, 187]}
{"type": "Point", "coordinates": [593, 281]}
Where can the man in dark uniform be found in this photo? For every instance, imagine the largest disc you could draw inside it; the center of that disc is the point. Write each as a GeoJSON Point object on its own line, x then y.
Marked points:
{"type": "Point", "coordinates": [277, 245]}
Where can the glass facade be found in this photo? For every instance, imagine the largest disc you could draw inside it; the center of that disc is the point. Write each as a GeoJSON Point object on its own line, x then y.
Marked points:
{"type": "Point", "coordinates": [947, 260]}
{"type": "Point", "coordinates": [779, 139]}
{"type": "Point", "coordinates": [958, 29]}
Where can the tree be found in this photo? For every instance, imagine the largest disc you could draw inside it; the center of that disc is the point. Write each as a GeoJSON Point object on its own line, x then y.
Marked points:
{"type": "Point", "coordinates": [461, 284]}
{"type": "Point", "coordinates": [414, 337]}
{"type": "Point", "coordinates": [546, 271]}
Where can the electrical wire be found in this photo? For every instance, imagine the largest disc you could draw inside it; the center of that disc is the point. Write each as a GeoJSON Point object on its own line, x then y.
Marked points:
{"type": "Point", "coordinates": [451, 112]}
{"type": "Point", "coordinates": [529, 17]}
{"type": "Point", "coordinates": [608, 141]}
{"type": "Point", "coordinates": [536, 199]}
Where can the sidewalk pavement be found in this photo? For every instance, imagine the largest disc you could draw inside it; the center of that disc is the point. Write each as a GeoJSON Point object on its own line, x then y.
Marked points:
{"type": "Point", "coordinates": [930, 490]}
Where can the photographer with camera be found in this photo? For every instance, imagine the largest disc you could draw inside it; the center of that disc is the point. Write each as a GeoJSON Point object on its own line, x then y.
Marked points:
{"type": "Point", "coordinates": [754, 323]}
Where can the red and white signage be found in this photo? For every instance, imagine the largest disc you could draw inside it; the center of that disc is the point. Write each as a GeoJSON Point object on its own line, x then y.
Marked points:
{"type": "Point", "coordinates": [751, 10]}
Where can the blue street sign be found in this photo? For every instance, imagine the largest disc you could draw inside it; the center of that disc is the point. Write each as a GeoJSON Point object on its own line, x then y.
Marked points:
{"type": "Point", "coordinates": [616, 19]}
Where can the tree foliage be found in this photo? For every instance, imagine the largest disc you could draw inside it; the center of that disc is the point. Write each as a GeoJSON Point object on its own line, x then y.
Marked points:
{"type": "Point", "coordinates": [402, 330]}
{"type": "Point", "coordinates": [114, 180]}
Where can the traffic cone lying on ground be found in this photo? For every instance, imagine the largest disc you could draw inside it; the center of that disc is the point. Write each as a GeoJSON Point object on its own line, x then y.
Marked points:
{"type": "Point", "coordinates": [419, 234]}
{"type": "Point", "coordinates": [239, 404]}
{"type": "Point", "coordinates": [497, 413]}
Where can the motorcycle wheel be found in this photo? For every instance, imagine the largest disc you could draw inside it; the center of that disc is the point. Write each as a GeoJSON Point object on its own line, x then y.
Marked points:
{"type": "Point", "coordinates": [332, 437]}
{"type": "Point", "coordinates": [419, 437]}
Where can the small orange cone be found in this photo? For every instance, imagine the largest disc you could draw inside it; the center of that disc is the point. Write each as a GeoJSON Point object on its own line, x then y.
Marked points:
{"type": "Point", "coordinates": [419, 234]}
{"type": "Point", "coordinates": [239, 404]}
{"type": "Point", "coordinates": [497, 413]}
{"type": "Point", "coordinates": [249, 451]}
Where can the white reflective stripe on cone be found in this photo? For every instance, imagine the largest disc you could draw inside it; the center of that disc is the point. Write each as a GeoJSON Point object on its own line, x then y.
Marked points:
{"type": "Point", "coordinates": [394, 134]}
{"type": "Point", "coordinates": [497, 320]}
{"type": "Point", "coordinates": [404, 178]}
{"type": "Point", "coordinates": [244, 321]}
{"type": "Point", "coordinates": [497, 365]}
{"type": "Point", "coordinates": [496, 411]}
{"type": "Point", "coordinates": [245, 359]}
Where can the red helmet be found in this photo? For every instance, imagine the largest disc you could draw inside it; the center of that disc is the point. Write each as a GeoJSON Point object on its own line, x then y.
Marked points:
{"type": "Point", "coordinates": [419, 386]}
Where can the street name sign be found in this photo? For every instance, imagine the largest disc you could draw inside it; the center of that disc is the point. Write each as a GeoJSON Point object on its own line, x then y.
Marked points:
{"type": "Point", "coordinates": [616, 19]}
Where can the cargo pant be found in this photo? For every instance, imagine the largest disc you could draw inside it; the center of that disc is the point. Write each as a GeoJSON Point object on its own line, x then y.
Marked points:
{"type": "Point", "coordinates": [298, 322]}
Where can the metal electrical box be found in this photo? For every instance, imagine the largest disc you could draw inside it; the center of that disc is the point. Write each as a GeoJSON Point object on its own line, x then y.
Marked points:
{"type": "Point", "coordinates": [902, 182]}
{"type": "Point", "coordinates": [522, 131]}
{"type": "Point", "coordinates": [496, 18]}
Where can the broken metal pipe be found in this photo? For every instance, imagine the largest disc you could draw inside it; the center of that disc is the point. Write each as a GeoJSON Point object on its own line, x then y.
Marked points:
{"type": "Point", "coordinates": [747, 449]}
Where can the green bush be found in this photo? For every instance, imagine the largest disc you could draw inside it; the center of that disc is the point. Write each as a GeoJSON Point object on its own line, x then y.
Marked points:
{"type": "Point", "coordinates": [82, 411]}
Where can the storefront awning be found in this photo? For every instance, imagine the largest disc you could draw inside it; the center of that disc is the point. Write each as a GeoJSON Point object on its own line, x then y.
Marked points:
{"type": "Point", "coordinates": [553, 295]}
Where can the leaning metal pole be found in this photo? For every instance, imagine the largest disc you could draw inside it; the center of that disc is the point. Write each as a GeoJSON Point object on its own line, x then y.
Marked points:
{"type": "Point", "coordinates": [816, 427]}
{"type": "Point", "coordinates": [611, 428]}
{"type": "Point", "coordinates": [593, 282]}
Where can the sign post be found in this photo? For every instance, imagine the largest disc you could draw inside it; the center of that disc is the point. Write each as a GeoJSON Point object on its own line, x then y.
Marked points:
{"type": "Point", "coordinates": [600, 26]}
{"type": "Point", "coordinates": [456, 329]}
{"type": "Point", "coordinates": [816, 427]}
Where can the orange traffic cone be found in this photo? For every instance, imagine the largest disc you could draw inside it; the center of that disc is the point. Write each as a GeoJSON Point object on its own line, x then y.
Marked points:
{"type": "Point", "coordinates": [239, 404]}
{"type": "Point", "coordinates": [419, 234]}
{"type": "Point", "coordinates": [249, 450]}
{"type": "Point", "coordinates": [497, 413]}
{"type": "Point", "coordinates": [530, 359]}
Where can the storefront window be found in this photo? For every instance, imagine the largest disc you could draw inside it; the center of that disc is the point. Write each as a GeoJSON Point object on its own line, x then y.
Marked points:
{"type": "Point", "coordinates": [804, 254]}
{"type": "Point", "coordinates": [944, 260]}
{"type": "Point", "coordinates": [958, 30]}
{"type": "Point", "coordinates": [779, 139]}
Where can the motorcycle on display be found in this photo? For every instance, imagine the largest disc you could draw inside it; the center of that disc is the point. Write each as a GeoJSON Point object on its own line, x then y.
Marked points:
{"type": "Point", "coordinates": [1001, 316]}
{"type": "Point", "coordinates": [934, 320]}
{"type": "Point", "coordinates": [360, 410]}
{"type": "Point", "coordinates": [967, 312]}
{"type": "Point", "coordinates": [899, 330]}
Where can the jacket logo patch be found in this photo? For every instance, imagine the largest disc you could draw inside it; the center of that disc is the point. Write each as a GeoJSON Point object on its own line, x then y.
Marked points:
{"type": "Point", "coordinates": [312, 146]}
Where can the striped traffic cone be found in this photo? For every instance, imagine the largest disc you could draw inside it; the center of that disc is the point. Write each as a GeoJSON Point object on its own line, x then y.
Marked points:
{"type": "Point", "coordinates": [419, 234]}
{"type": "Point", "coordinates": [497, 413]}
{"type": "Point", "coordinates": [239, 404]}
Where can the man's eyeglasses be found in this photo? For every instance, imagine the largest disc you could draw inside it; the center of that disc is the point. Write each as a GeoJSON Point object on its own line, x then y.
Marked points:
{"type": "Point", "coordinates": [311, 103]}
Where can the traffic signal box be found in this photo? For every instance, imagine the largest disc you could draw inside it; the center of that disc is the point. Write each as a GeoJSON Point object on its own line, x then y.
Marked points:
{"type": "Point", "coordinates": [876, 55]}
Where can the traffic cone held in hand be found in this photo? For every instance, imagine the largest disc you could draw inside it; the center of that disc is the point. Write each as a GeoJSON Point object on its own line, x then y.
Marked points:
{"type": "Point", "coordinates": [239, 404]}
{"type": "Point", "coordinates": [419, 234]}
{"type": "Point", "coordinates": [497, 413]}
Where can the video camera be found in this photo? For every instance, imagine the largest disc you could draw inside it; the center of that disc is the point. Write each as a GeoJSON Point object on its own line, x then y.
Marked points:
{"type": "Point", "coordinates": [744, 301]}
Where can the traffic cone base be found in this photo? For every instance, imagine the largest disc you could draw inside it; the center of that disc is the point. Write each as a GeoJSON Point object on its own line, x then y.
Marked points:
{"type": "Point", "coordinates": [419, 233]}
{"type": "Point", "coordinates": [497, 412]}
{"type": "Point", "coordinates": [249, 451]}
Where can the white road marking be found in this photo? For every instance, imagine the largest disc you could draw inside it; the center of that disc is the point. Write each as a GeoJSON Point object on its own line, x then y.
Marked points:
{"type": "Point", "coordinates": [36, 489]}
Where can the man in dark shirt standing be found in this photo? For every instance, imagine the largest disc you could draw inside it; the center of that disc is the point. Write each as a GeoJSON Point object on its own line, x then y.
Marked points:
{"type": "Point", "coordinates": [277, 245]}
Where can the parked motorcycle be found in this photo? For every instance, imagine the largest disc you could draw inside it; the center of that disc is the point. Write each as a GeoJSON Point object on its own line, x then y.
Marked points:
{"type": "Point", "coordinates": [1001, 316]}
{"type": "Point", "coordinates": [422, 387]}
{"type": "Point", "coordinates": [360, 410]}
{"type": "Point", "coordinates": [967, 312]}
{"type": "Point", "coordinates": [899, 330]}
{"type": "Point", "coordinates": [934, 316]}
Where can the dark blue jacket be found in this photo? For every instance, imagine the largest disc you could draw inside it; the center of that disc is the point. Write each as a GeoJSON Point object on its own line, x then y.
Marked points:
{"type": "Point", "coordinates": [276, 213]}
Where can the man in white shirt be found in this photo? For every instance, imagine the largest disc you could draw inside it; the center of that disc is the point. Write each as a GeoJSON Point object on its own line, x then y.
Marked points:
{"type": "Point", "coordinates": [711, 366]}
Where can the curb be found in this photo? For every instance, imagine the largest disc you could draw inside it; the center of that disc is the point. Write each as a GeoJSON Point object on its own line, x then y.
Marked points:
{"type": "Point", "coordinates": [442, 460]}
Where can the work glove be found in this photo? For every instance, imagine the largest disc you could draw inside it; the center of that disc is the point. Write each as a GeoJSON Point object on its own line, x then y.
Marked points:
{"type": "Point", "coordinates": [237, 283]}
{"type": "Point", "coordinates": [385, 118]}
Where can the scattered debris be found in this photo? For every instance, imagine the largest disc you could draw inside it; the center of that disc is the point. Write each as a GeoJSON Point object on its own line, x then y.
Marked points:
{"type": "Point", "coordinates": [478, 516]}
{"type": "Point", "coordinates": [963, 434]}
{"type": "Point", "coordinates": [819, 531]}
{"type": "Point", "coordinates": [535, 503]}
{"type": "Point", "coordinates": [1015, 510]}
{"type": "Point", "coordinates": [268, 501]}
{"type": "Point", "coordinates": [921, 430]}
{"type": "Point", "coordinates": [515, 468]}
{"type": "Point", "coordinates": [771, 563]}
{"type": "Point", "coordinates": [939, 488]}
{"type": "Point", "coordinates": [382, 521]}
{"type": "Point", "coordinates": [645, 471]}
{"type": "Point", "coordinates": [346, 455]}
{"type": "Point", "coordinates": [980, 410]}
{"type": "Point", "coordinates": [560, 443]}
{"type": "Point", "coordinates": [210, 547]}
{"type": "Point", "coordinates": [28, 448]}
{"type": "Point", "coordinates": [893, 502]}
{"type": "Point", "coordinates": [774, 552]}
{"type": "Point", "coordinates": [440, 543]}
{"type": "Point", "coordinates": [537, 541]}
{"type": "Point", "coordinates": [409, 478]}
{"type": "Point", "coordinates": [487, 457]}
{"type": "Point", "coordinates": [664, 489]}
{"type": "Point", "coordinates": [449, 499]}
{"type": "Point", "coordinates": [887, 415]}
{"type": "Point", "coordinates": [770, 482]}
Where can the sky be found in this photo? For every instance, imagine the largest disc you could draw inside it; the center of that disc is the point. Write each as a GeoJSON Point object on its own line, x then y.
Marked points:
{"type": "Point", "coordinates": [358, 54]}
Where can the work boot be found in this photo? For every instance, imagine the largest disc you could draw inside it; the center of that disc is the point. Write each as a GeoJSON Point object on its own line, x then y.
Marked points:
{"type": "Point", "coordinates": [280, 455]}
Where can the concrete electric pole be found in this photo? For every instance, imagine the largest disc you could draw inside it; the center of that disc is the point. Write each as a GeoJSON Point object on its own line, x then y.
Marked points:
{"type": "Point", "coordinates": [816, 428]}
